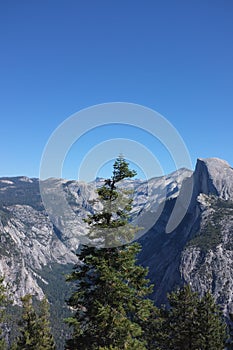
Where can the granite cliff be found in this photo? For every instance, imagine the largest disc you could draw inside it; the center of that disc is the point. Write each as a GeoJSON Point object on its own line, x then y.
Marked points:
{"type": "Point", "coordinates": [198, 251]}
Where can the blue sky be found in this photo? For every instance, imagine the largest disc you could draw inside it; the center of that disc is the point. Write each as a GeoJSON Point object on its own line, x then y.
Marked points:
{"type": "Point", "coordinates": [58, 57]}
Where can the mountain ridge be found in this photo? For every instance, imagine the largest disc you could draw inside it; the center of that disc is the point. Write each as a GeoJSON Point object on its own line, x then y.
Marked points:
{"type": "Point", "coordinates": [31, 241]}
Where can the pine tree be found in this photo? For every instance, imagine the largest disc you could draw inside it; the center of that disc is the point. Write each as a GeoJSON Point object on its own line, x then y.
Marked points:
{"type": "Point", "coordinates": [3, 304]}
{"type": "Point", "coordinates": [46, 338]}
{"type": "Point", "coordinates": [110, 226]}
{"type": "Point", "coordinates": [182, 324]}
{"type": "Point", "coordinates": [229, 342]}
{"type": "Point", "coordinates": [34, 327]}
{"type": "Point", "coordinates": [110, 301]}
{"type": "Point", "coordinates": [154, 327]}
{"type": "Point", "coordinates": [28, 337]}
{"type": "Point", "coordinates": [212, 331]}
{"type": "Point", "coordinates": [192, 323]}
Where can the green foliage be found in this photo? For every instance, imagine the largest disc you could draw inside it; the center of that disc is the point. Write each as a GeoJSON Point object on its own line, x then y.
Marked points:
{"type": "Point", "coordinates": [13, 314]}
{"type": "Point", "coordinates": [57, 291]}
{"type": "Point", "coordinates": [192, 323]}
{"type": "Point", "coordinates": [110, 225]}
{"type": "Point", "coordinates": [110, 305]}
{"type": "Point", "coordinates": [3, 303]}
{"type": "Point", "coordinates": [28, 332]}
{"type": "Point", "coordinates": [110, 299]}
{"type": "Point", "coordinates": [34, 327]}
{"type": "Point", "coordinates": [182, 320]}
{"type": "Point", "coordinates": [46, 338]}
{"type": "Point", "coordinates": [223, 204]}
{"type": "Point", "coordinates": [121, 170]}
{"type": "Point", "coordinates": [213, 332]}
{"type": "Point", "coordinates": [153, 328]}
{"type": "Point", "coordinates": [229, 342]}
{"type": "Point", "coordinates": [210, 235]}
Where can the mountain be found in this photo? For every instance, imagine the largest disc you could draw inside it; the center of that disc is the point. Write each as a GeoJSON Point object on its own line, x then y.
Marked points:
{"type": "Point", "coordinates": [187, 238]}
{"type": "Point", "coordinates": [200, 250]}
{"type": "Point", "coordinates": [37, 249]}
{"type": "Point", "coordinates": [31, 240]}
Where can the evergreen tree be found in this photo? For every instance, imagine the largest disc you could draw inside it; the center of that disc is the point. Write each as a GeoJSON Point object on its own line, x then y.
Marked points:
{"type": "Point", "coordinates": [183, 320]}
{"type": "Point", "coordinates": [3, 304]}
{"type": "Point", "coordinates": [192, 323]}
{"type": "Point", "coordinates": [110, 226]}
{"type": "Point", "coordinates": [110, 300]}
{"type": "Point", "coordinates": [155, 329]}
{"type": "Point", "coordinates": [212, 327]}
{"type": "Point", "coordinates": [34, 327]}
{"type": "Point", "coordinates": [229, 343]}
{"type": "Point", "coordinates": [46, 338]}
{"type": "Point", "coordinates": [28, 337]}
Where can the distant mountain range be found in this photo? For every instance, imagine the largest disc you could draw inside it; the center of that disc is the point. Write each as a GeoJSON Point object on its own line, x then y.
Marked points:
{"type": "Point", "coordinates": [36, 247]}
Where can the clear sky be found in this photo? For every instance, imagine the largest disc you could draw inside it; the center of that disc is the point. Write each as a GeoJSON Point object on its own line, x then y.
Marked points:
{"type": "Point", "coordinates": [58, 57]}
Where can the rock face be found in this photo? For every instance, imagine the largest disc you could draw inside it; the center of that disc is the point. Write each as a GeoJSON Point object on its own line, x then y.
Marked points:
{"type": "Point", "coordinates": [28, 238]}
{"type": "Point", "coordinates": [214, 176]}
{"type": "Point", "coordinates": [207, 259]}
{"type": "Point", "coordinates": [31, 241]}
{"type": "Point", "coordinates": [198, 251]}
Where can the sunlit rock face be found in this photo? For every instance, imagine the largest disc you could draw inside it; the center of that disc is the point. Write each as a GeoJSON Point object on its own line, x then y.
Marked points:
{"type": "Point", "coordinates": [32, 240]}
{"type": "Point", "coordinates": [198, 251]}
{"type": "Point", "coordinates": [214, 176]}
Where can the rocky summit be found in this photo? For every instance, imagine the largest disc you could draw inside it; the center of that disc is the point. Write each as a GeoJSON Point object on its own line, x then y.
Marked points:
{"type": "Point", "coordinates": [199, 251]}
{"type": "Point", "coordinates": [187, 235]}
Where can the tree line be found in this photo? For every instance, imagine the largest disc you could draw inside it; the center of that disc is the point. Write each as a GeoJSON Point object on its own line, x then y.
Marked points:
{"type": "Point", "coordinates": [111, 307]}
